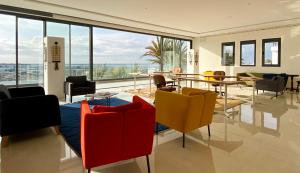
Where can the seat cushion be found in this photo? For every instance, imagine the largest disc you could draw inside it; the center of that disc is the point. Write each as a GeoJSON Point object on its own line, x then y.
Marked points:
{"type": "Point", "coordinates": [4, 93]}
{"type": "Point", "coordinates": [122, 108]}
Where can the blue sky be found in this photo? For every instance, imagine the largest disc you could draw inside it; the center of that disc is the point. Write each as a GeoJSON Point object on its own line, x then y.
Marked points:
{"type": "Point", "coordinates": [110, 46]}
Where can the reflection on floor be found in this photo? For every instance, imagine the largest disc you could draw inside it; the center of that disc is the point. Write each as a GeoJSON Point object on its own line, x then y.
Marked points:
{"type": "Point", "coordinates": [264, 137]}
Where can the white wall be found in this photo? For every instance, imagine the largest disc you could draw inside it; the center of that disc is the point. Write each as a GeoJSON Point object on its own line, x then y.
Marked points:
{"type": "Point", "coordinates": [210, 51]}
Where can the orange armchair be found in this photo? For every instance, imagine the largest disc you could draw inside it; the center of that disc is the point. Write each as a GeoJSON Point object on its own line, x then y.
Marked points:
{"type": "Point", "coordinates": [112, 134]}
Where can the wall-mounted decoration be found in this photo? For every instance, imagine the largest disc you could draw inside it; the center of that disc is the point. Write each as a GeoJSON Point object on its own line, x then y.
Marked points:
{"type": "Point", "coordinates": [193, 57]}
{"type": "Point", "coordinates": [55, 55]}
{"type": "Point", "coordinates": [228, 54]}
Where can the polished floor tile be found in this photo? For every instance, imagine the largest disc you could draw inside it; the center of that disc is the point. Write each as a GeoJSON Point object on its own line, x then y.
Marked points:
{"type": "Point", "coordinates": [264, 137]}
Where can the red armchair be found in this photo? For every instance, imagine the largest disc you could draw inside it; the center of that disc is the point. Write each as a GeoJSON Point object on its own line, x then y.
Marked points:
{"type": "Point", "coordinates": [112, 134]}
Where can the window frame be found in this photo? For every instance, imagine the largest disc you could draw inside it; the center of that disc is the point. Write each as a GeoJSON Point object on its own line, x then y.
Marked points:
{"type": "Point", "coordinates": [245, 43]}
{"type": "Point", "coordinates": [223, 58]}
{"type": "Point", "coordinates": [279, 51]}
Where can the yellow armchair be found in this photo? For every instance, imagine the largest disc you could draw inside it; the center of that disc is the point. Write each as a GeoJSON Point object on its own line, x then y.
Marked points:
{"type": "Point", "coordinates": [185, 112]}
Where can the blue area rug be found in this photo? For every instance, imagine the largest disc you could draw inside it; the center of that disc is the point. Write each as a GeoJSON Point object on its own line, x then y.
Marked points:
{"type": "Point", "coordinates": [70, 121]}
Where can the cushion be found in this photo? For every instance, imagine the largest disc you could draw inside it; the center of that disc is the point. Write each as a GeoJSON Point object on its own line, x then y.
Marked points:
{"type": "Point", "coordinates": [4, 93]}
{"type": "Point", "coordinates": [122, 108]}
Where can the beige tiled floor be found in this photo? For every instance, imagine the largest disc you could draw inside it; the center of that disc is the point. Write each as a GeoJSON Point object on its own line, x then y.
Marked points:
{"type": "Point", "coordinates": [261, 138]}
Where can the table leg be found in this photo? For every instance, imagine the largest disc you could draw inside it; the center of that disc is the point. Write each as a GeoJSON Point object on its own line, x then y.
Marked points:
{"type": "Point", "coordinates": [225, 99]}
{"type": "Point", "coordinates": [253, 92]}
{"type": "Point", "coordinates": [149, 85]}
{"type": "Point", "coordinates": [220, 88]}
{"type": "Point", "coordinates": [134, 83]}
{"type": "Point", "coordinates": [178, 85]}
{"type": "Point", "coordinates": [292, 83]}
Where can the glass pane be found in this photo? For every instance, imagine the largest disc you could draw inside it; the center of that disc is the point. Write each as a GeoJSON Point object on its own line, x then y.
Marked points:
{"type": "Point", "coordinates": [80, 51]}
{"type": "Point", "coordinates": [271, 53]}
{"type": "Point", "coordinates": [248, 54]}
{"type": "Point", "coordinates": [30, 47]}
{"type": "Point", "coordinates": [228, 55]}
{"type": "Point", "coordinates": [118, 53]}
{"type": "Point", "coordinates": [7, 50]}
{"type": "Point", "coordinates": [175, 54]}
{"type": "Point", "coordinates": [61, 30]}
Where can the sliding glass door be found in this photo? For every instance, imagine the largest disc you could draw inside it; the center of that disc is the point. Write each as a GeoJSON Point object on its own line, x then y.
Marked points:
{"type": "Point", "coordinates": [30, 51]}
{"type": "Point", "coordinates": [7, 50]}
{"type": "Point", "coordinates": [80, 51]}
{"type": "Point", "coordinates": [175, 53]}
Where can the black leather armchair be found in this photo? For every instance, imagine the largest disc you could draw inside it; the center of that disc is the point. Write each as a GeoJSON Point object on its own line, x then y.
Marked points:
{"type": "Point", "coordinates": [276, 84]}
{"type": "Point", "coordinates": [27, 109]}
{"type": "Point", "coordinates": [78, 85]}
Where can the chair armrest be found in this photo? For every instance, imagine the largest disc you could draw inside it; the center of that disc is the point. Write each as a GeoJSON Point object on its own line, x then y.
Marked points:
{"type": "Point", "coordinates": [68, 86]}
{"type": "Point", "coordinates": [21, 113]}
{"type": "Point", "coordinates": [96, 128]}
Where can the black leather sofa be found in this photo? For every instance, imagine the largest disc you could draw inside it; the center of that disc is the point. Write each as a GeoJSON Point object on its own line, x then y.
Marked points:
{"type": "Point", "coordinates": [27, 109]}
{"type": "Point", "coordinates": [78, 85]}
{"type": "Point", "coordinates": [275, 84]}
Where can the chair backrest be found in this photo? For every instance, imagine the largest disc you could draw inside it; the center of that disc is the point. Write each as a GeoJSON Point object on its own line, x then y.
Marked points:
{"type": "Point", "coordinates": [108, 137]}
{"type": "Point", "coordinates": [185, 112]}
{"type": "Point", "coordinates": [159, 80]}
{"type": "Point", "coordinates": [208, 73]}
{"type": "Point", "coordinates": [77, 80]}
{"type": "Point", "coordinates": [220, 75]}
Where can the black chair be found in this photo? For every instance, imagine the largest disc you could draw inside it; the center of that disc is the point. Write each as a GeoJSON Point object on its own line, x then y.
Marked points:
{"type": "Point", "coordinates": [298, 84]}
{"type": "Point", "coordinates": [276, 84]}
{"type": "Point", "coordinates": [162, 84]}
{"type": "Point", "coordinates": [26, 109]}
{"type": "Point", "coordinates": [78, 85]}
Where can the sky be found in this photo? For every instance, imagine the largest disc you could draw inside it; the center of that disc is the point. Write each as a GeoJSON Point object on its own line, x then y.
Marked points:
{"type": "Point", "coordinates": [109, 46]}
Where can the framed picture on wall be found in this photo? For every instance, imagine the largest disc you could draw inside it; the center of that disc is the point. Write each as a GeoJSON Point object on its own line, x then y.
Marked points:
{"type": "Point", "coordinates": [228, 54]}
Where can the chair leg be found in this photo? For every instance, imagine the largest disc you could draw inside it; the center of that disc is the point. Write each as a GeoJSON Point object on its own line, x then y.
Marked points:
{"type": "Point", "coordinates": [256, 92]}
{"type": "Point", "coordinates": [57, 131]}
{"type": "Point", "coordinates": [148, 164]}
{"type": "Point", "coordinates": [276, 94]}
{"type": "Point", "coordinates": [70, 98]}
{"type": "Point", "coordinates": [208, 128]}
{"type": "Point", "coordinates": [89, 170]}
{"type": "Point", "coordinates": [4, 141]}
{"type": "Point", "coordinates": [183, 140]}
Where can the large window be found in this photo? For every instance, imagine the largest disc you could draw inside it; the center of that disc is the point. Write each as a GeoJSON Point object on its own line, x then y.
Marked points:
{"type": "Point", "coordinates": [271, 52]}
{"type": "Point", "coordinates": [30, 51]}
{"type": "Point", "coordinates": [80, 50]}
{"type": "Point", "coordinates": [228, 52]}
{"type": "Point", "coordinates": [118, 53]}
{"type": "Point", "coordinates": [101, 54]}
{"type": "Point", "coordinates": [248, 53]}
{"type": "Point", "coordinates": [7, 50]}
{"type": "Point", "coordinates": [174, 53]}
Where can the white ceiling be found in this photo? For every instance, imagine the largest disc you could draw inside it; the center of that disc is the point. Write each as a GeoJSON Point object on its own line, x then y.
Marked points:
{"type": "Point", "coordinates": [185, 17]}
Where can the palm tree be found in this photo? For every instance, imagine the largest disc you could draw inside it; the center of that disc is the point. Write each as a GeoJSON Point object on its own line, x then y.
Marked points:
{"type": "Point", "coordinates": [156, 51]}
{"type": "Point", "coordinates": [181, 50]}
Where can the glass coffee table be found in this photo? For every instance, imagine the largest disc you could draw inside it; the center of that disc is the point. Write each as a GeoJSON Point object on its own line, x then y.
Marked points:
{"type": "Point", "coordinates": [101, 95]}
